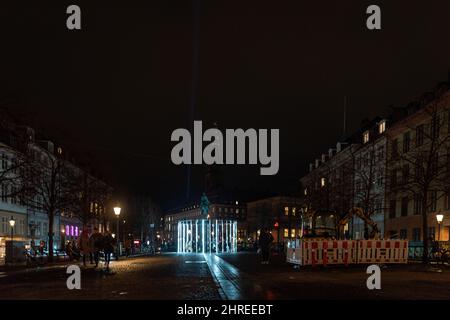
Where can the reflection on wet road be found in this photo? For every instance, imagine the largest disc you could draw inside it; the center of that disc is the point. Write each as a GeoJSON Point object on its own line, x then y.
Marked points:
{"type": "Point", "coordinates": [233, 283]}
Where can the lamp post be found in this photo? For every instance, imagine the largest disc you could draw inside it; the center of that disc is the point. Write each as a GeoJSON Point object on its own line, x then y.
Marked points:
{"type": "Point", "coordinates": [12, 223]}
{"type": "Point", "coordinates": [439, 218]}
{"type": "Point", "coordinates": [117, 213]}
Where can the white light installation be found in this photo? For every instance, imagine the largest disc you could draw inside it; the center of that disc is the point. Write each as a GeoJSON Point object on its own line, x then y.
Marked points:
{"type": "Point", "coordinates": [207, 236]}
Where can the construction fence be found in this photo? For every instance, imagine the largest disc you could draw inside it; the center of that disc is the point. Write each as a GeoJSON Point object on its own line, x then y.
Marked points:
{"type": "Point", "coordinates": [323, 252]}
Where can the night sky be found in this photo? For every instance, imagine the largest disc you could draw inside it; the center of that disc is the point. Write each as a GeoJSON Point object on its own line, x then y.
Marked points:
{"type": "Point", "coordinates": [117, 88]}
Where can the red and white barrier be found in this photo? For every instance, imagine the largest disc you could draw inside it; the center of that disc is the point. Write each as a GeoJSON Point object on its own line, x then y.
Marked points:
{"type": "Point", "coordinates": [329, 252]}
{"type": "Point", "coordinates": [323, 252]}
{"type": "Point", "coordinates": [383, 251]}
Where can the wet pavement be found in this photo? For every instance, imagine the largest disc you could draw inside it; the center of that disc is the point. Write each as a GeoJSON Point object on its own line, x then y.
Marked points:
{"type": "Point", "coordinates": [225, 276]}
{"type": "Point", "coordinates": [168, 276]}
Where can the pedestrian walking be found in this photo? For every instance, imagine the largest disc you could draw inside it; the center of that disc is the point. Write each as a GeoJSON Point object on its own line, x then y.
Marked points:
{"type": "Point", "coordinates": [128, 247]}
{"type": "Point", "coordinates": [84, 244]}
{"type": "Point", "coordinates": [265, 241]}
{"type": "Point", "coordinates": [96, 240]}
{"type": "Point", "coordinates": [108, 248]}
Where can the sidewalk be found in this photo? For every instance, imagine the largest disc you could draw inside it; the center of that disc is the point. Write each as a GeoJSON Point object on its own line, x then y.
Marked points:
{"type": "Point", "coordinates": [22, 268]}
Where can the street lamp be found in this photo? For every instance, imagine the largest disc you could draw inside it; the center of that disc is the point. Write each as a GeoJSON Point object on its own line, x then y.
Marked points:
{"type": "Point", "coordinates": [117, 213]}
{"type": "Point", "coordinates": [12, 223]}
{"type": "Point", "coordinates": [439, 218]}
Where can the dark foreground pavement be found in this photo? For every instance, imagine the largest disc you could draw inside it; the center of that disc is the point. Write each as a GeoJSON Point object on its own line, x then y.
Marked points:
{"type": "Point", "coordinates": [232, 276]}
{"type": "Point", "coordinates": [412, 281]}
{"type": "Point", "coordinates": [153, 277]}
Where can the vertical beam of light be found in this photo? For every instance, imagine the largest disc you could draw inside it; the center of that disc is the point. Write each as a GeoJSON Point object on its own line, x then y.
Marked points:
{"type": "Point", "coordinates": [230, 224]}
{"type": "Point", "coordinates": [196, 235]}
{"type": "Point", "coordinates": [228, 231]}
{"type": "Point", "coordinates": [203, 236]}
{"type": "Point", "coordinates": [227, 235]}
{"type": "Point", "coordinates": [217, 237]}
{"type": "Point", "coordinates": [223, 240]}
{"type": "Point", "coordinates": [184, 236]}
{"type": "Point", "coordinates": [178, 237]}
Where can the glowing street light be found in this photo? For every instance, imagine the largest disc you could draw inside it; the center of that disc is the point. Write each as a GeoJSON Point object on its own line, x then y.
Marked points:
{"type": "Point", "coordinates": [12, 223]}
{"type": "Point", "coordinates": [117, 213]}
{"type": "Point", "coordinates": [439, 218]}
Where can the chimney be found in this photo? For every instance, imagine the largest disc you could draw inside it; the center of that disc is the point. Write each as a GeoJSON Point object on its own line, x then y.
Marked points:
{"type": "Point", "coordinates": [338, 147]}
{"type": "Point", "coordinates": [317, 163]}
{"type": "Point", "coordinates": [324, 158]}
{"type": "Point", "coordinates": [311, 167]}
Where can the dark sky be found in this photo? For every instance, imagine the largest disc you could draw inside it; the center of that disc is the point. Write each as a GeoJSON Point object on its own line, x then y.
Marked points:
{"type": "Point", "coordinates": [121, 85]}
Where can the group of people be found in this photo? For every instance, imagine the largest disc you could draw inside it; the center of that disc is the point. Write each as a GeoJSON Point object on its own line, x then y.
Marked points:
{"type": "Point", "coordinates": [90, 246]}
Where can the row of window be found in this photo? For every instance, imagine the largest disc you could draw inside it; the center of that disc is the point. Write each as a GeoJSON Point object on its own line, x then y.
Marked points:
{"type": "Point", "coordinates": [418, 203]}
{"type": "Point", "coordinates": [228, 210]}
{"type": "Point", "coordinates": [292, 210]}
{"type": "Point", "coordinates": [381, 129]}
{"type": "Point", "coordinates": [420, 133]}
{"type": "Point", "coordinates": [18, 229]}
{"type": "Point", "coordinates": [415, 235]}
{"type": "Point", "coordinates": [292, 234]}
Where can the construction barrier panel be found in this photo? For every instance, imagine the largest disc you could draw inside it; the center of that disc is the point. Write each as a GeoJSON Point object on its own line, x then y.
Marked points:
{"type": "Point", "coordinates": [383, 251]}
{"type": "Point", "coordinates": [325, 252]}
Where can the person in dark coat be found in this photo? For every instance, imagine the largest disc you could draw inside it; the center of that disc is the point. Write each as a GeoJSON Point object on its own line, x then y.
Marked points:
{"type": "Point", "coordinates": [265, 241]}
{"type": "Point", "coordinates": [108, 248]}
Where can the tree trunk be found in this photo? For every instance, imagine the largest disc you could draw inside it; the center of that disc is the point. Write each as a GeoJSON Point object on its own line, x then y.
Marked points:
{"type": "Point", "coordinates": [425, 229]}
{"type": "Point", "coordinates": [50, 235]}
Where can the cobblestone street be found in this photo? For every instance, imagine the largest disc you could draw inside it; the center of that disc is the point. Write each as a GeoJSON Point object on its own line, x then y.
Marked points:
{"type": "Point", "coordinates": [227, 276]}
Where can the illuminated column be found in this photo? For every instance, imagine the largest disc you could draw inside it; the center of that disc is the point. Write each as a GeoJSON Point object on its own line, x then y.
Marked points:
{"type": "Point", "coordinates": [231, 239]}
{"type": "Point", "coordinates": [203, 236]}
{"type": "Point", "coordinates": [210, 235]}
{"type": "Point", "coordinates": [221, 236]}
{"type": "Point", "coordinates": [190, 233]}
{"type": "Point", "coordinates": [226, 236]}
{"type": "Point", "coordinates": [182, 236]}
{"type": "Point", "coordinates": [217, 237]}
{"type": "Point", "coordinates": [178, 237]}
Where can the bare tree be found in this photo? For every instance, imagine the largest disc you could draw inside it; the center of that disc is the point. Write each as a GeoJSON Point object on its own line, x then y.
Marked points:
{"type": "Point", "coordinates": [48, 186]}
{"type": "Point", "coordinates": [369, 171]}
{"type": "Point", "coordinates": [425, 167]}
{"type": "Point", "coordinates": [89, 197]}
{"type": "Point", "coordinates": [14, 157]}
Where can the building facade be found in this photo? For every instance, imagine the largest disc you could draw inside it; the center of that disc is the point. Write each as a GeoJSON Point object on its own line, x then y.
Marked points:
{"type": "Point", "coordinates": [419, 169]}
{"type": "Point", "coordinates": [19, 152]}
{"type": "Point", "coordinates": [280, 215]}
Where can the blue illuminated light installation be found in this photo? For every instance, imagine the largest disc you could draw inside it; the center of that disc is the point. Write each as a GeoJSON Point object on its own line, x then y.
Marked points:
{"type": "Point", "coordinates": [207, 236]}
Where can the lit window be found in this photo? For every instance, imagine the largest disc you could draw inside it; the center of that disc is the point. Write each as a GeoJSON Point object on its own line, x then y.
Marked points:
{"type": "Point", "coordinates": [292, 233]}
{"type": "Point", "coordinates": [366, 137]}
{"type": "Point", "coordinates": [286, 211]}
{"type": "Point", "coordinates": [293, 211]}
{"type": "Point", "coordinates": [382, 127]}
{"type": "Point", "coordinates": [59, 150]}
{"type": "Point", "coordinates": [286, 233]}
{"type": "Point", "coordinates": [322, 182]}
{"type": "Point", "coordinates": [305, 191]}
